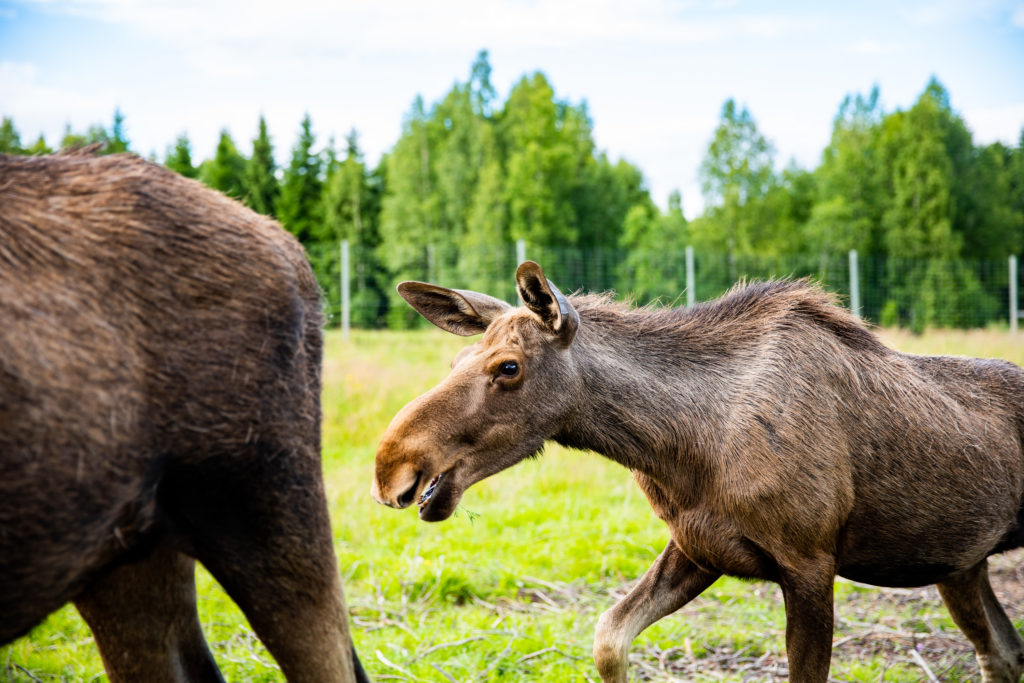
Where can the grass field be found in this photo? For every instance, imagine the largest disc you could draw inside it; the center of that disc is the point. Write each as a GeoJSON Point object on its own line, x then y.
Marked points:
{"type": "Point", "coordinates": [510, 588]}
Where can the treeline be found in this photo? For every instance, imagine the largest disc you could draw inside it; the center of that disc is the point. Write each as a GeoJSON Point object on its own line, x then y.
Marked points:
{"type": "Point", "coordinates": [470, 175]}
{"type": "Point", "coordinates": [906, 187]}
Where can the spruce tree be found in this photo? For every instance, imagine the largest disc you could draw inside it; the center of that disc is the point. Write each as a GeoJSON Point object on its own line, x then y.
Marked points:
{"type": "Point", "coordinates": [116, 140]}
{"type": "Point", "coordinates": [39, 147]}
{"type": "Point", "coordinates": [300, 206]}
{"type": "Point", "coordinates": [179, 157]}
{"type": "Point", "coordinates": [259, 181]}
{"type": "Point", "coordinates": [10, 140]}
{"type": "Point", "coordinates": [225, 171]}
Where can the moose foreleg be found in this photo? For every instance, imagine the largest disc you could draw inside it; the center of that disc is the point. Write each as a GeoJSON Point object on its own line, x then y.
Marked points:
{"type": "Point", "coordinates": [671, 582]}
{"type": "Point", "coordinates": [807, 591]}
{"type": "Point", "coordinates": [979, 615]}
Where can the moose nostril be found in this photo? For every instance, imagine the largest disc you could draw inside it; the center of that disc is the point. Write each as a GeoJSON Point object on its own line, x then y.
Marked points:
{"type": "Point", "coordinates": [405, 499]}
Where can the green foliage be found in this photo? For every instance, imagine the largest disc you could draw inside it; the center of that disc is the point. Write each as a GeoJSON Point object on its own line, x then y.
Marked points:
{"type": "Point", "coordinates": [995, 226]}
{"type": "Point", "coordinates": [736, 175]}
{"type": "Point", "coordinates": [39, 147]}
{"type": "Point", "coordinates": [226, 170]}
{"type": "Point", "coordinates": [259, 181]}
{"type": "Point", "coordinates": [480, 246]}
{"type": "Point", "coordinates": [110, 141]}
{"type": "Point", "coordinates": [116, 141]}
{"type": "Point", "coordinates": [471, 174]}
{"type": "Point", "coordinates": [409, 219]}
{"type": "Point", "coordinates": [179, 157]}
{"type": "Point", "coordinates": [351, 209]}
{"type": "Point", "coordinates": [300, 206]}
{"type": "Point", "coordinates": [468, 177]}
{"type": "Point", "coordinates": [654, 244]}
{"type": "Point", "coordinates": [918, 222]}
{"type": "Point", "coordinates": [603, 196]}
{"type": "Point", "coordinates": [10, 140]}
{"type": "Point", "coordinates": [847, 211]}
{"type": "Point", "coordinates": [738, 165]}
{"type": "Point", "coordinates": [539, 133]}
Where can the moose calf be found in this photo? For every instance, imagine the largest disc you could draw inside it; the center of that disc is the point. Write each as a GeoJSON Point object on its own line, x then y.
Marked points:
{"type": "Point", "coordinates": [774, 434]}
{"type": "Point", "coordinates": [160, 351]}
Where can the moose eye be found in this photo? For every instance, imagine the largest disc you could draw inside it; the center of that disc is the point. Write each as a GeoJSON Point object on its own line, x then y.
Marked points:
{"type": "Point", "coordinates": [509, 368]}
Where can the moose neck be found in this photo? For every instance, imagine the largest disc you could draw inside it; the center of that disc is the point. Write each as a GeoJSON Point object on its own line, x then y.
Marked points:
{"type": "Point", "coordinates": [653, 394]}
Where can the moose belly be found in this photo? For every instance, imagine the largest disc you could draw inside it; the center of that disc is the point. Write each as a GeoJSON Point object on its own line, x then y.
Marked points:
{"type": "Point", "coordinates": [916, 551]}
{"type": "Point", "coordinates": [899, 575]}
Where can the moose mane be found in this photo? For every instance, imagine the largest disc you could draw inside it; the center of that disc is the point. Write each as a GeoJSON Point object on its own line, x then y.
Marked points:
{"type": "Point", "coordinates": [746, 313]}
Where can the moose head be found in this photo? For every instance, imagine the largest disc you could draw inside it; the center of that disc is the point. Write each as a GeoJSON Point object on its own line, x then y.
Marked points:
{"type": "Point", "coordinates": [505, 396]}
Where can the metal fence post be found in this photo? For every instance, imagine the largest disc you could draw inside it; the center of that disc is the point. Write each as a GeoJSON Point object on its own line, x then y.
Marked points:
{"type": "Point", "coordinates": [345, 293]}
{"type": "Point", "coordinates": [1013, 294]}
{"type": "Point", "coordinates": [854, 284]}
{"type": "Point", "coordinates": [520, 251]}
{"type": "Point", "coordinates": [691, 286]}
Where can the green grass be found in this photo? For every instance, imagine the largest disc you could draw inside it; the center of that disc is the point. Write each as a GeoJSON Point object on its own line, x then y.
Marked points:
{"type": "Point", "coordinates": [509, 589]}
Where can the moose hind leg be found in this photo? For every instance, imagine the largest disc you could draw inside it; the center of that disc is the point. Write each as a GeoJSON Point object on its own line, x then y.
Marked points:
{"type": "Point", "coordinates": [264, 534]}
{"type": "Point", "coordinates": [671, 582]}
{"type": "Point", "coordinates": [143, 617]}
{"type": "Point", "coordinates": [977, 612]}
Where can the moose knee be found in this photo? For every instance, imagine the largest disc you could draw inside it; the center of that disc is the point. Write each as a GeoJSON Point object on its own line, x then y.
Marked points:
{"type": "Point", "coordinates": [611, 648]}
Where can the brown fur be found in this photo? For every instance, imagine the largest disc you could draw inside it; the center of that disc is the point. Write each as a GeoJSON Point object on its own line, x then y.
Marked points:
{"type": "Point", "coordinates": [773, 433]}
{"type": "Point", "coordinates": [160, 357]}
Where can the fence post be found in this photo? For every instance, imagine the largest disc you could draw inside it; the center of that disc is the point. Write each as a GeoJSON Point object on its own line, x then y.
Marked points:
{"type": "Point", "coordinates": [520, 251]}
{"type": "Point", "coordinates": [854, 284]}
{"type": "Point", "coordinates": [691, 286]}
{"type": "Point", "coordinates": [1013, 294]}
{"type": "Point", "coordinates": [346, 302]}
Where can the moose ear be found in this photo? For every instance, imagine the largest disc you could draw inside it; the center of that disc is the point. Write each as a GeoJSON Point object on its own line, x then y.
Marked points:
{"type": "Point", "coordinates": [458, 311]}
{"type": "Point", "coordinates": [541, 296]}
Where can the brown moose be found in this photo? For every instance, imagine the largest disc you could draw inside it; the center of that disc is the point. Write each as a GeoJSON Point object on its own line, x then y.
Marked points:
{"type": "Point", "coordinates": [774, 434]}
{"type": "Point", "coordinates": [160, 353]}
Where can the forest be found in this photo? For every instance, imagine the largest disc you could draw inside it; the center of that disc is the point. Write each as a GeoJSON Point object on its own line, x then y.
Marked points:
{"type": "Point", "coordinates": [932, 215]}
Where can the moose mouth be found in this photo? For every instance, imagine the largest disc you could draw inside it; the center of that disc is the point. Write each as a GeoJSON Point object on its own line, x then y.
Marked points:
{"type": "Point", "coordinates": [440, 498]}
{"type": "Point", "coordinates": [429, 493]}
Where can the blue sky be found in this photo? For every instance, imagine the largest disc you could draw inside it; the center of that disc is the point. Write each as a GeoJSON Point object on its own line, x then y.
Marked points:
{"type": "Point", "coordinates": [654, 73]}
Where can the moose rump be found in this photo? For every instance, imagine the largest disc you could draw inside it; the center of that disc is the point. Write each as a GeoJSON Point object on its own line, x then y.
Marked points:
{"type": "Point", "coordinates": [775, 435]}
{"type": "Point", "coordinates": [160, 351]}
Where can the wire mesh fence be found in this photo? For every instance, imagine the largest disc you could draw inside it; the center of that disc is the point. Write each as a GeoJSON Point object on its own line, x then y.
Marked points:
{"type": "Point", "coordinates": [887, 291]}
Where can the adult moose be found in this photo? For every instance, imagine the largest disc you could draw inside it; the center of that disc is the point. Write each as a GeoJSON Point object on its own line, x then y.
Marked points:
{"type": "Point", "coordinates": [775, 435]}
{"type": "Point", "coordinates": [160, 352]}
